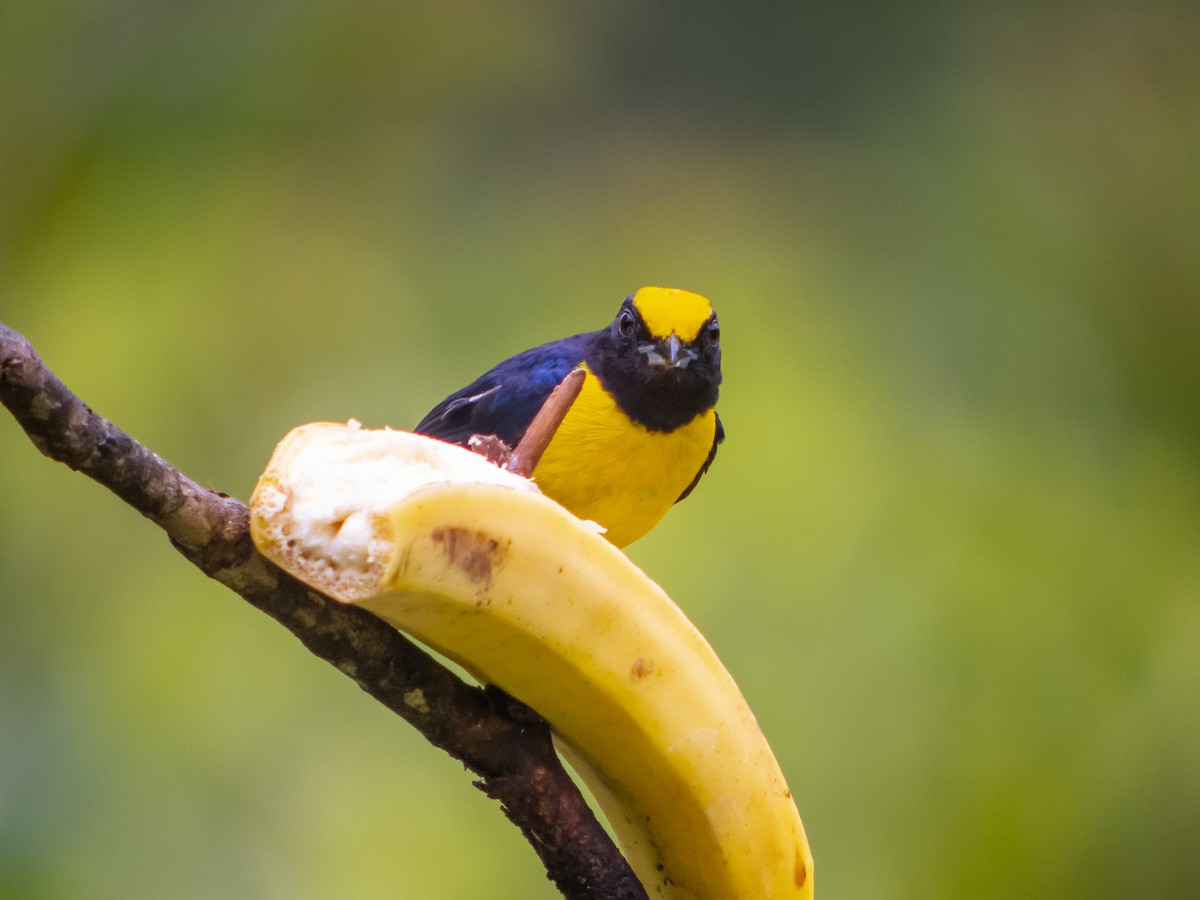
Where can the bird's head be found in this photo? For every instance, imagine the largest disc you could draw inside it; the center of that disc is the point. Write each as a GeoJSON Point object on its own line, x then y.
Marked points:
{"type": "Point", "coordinates": [670, 330]}
{"type": "Point", "coordinates": [661, 356]}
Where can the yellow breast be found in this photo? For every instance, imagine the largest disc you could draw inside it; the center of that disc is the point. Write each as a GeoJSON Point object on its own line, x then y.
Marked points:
{"type": "Point", "coordinates": [605, 467]}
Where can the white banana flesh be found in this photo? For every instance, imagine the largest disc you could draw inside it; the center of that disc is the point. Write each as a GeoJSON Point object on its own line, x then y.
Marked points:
{"type": "Point", "coordinates": [476, 563]}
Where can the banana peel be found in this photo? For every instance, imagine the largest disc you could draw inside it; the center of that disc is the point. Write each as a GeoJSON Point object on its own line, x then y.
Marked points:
{"type": "Point", "coordinates": [475, 562]}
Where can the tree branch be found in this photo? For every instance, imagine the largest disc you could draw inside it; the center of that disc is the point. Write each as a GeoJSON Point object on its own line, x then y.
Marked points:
{"type": "Point", "coordinates": [494, 736]}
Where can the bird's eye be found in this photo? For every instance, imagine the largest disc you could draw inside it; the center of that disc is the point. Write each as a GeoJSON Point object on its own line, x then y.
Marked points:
{"type": "Point", "coordinates": [626, 323]}
{"type": "Point", "coordinates": [714, 334]}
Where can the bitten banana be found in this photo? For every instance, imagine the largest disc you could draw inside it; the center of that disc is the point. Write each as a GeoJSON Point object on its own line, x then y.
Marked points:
{"type": "Point", "coordinates": [477, 564]}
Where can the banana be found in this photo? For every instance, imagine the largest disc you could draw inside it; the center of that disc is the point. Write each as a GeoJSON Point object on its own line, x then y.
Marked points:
{"type": "Point", "coordinates": [475, 562]}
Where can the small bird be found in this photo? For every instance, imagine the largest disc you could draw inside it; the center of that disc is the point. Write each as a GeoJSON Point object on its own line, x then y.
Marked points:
{"type": "Point", "coordinates": [644, 428]}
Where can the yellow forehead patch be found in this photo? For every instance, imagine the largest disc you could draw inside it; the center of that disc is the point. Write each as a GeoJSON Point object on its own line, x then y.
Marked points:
{"type": "Point", "coordinates": [670, 309]}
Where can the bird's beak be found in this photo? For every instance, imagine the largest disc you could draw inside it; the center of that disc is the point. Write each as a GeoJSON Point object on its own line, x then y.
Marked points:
{"type": "Point", "coordinates": [674, 348]}
{"type": "Point", "coordinates": [671, 353]}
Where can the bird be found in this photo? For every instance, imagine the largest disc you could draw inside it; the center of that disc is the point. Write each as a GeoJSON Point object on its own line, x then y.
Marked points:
{"type": "Point", "coordinates": [644, 428]}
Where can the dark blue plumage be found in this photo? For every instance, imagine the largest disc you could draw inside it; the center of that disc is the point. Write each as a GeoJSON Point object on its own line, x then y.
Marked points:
{"type": "Point", "coordinates": [504, 400]}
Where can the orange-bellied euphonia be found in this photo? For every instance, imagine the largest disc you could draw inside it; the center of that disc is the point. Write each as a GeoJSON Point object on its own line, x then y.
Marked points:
{"type": "Point", "coordinates": [644, 428]}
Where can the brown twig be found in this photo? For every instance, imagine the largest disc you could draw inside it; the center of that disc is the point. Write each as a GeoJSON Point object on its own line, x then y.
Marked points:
{"type": "Point", "coordinates": [528, 452]}
{"type": "Point", "coordinates": [509, 751]}
{"type": "Point", "coordinates": [523, 458]}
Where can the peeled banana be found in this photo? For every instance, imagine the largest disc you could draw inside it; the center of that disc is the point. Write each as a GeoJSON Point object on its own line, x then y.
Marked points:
{"type": "Point", "coordinates": [475, 562]}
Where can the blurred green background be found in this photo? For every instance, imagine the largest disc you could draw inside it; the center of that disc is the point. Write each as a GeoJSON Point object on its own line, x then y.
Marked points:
{"type": "Point", "coordinates": [949, 550]}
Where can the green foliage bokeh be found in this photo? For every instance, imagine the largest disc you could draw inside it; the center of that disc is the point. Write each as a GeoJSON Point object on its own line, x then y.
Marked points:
{"type": "Point", "coordinates": [949, 550]}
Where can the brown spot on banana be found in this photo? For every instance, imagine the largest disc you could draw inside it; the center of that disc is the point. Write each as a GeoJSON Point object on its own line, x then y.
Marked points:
{"type": "Point", "coordinates": [801, 868]}
{"type": "Point", "coordinates": [641, 669]}
{"type": "Point", "coordinates": [475, 553]}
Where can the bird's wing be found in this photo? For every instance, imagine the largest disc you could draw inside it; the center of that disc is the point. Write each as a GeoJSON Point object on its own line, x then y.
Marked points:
{"type": "Point", "coordinates": [504, 400]}
{"type": "Point", "coordinates": [718, 436]}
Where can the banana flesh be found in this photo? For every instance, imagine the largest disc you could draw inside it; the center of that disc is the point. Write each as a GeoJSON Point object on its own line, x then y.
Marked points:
{"type": "Point", "coordinates": [476, 564]}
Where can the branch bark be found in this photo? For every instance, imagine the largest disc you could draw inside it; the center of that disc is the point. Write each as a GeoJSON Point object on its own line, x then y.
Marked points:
{"type": "Point", "coordinates": [498, 739]}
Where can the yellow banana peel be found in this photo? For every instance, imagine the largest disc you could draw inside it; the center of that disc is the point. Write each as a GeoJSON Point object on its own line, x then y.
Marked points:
{"type": "Point", "coordinates": [476, 563]}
